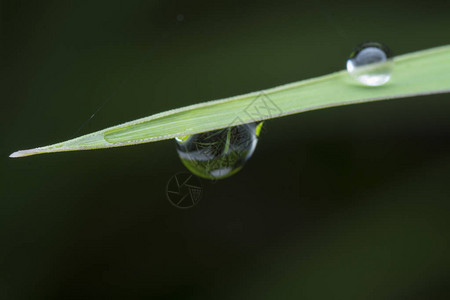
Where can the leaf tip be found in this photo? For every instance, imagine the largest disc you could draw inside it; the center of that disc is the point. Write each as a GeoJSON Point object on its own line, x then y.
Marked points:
{"type": "Point", "coordinates": [23, 153]}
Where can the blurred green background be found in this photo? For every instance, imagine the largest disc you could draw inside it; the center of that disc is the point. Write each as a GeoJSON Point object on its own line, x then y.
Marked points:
{"type": "Point", "coordinates": [343, 203]}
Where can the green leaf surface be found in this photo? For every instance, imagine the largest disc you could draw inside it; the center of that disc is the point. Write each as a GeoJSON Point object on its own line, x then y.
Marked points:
{"type": "Point", "coordinates": [419, 73]}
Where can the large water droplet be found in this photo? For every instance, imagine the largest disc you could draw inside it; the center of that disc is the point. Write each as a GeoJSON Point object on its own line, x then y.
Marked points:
{"type": "Point", "coordinates": [370, 63]}
{"type": "Point", "coordinates": [220, 153]}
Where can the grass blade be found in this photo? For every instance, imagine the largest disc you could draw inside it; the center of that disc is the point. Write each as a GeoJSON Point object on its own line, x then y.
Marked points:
{"type": "Point", "coordinates": [419, 73]}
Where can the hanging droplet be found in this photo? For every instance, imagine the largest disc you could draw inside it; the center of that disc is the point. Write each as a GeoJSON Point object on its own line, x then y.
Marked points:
{"type": "Point", "coordinates": [220, 153]}
{"type": "Point", "coordinates": [370, 63]}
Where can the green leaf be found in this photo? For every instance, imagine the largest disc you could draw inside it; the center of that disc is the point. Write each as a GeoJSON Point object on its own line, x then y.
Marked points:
{"type": "Point", "coordinates": [419, 73]}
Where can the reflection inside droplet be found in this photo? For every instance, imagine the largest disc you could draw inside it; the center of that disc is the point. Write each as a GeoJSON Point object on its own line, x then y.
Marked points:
{"type": "Point", "coordinates": [220, 153]}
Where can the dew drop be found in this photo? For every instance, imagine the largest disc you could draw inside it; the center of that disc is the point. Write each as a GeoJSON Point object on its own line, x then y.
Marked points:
{"type": "Point", "coordinates": [220, 153]}
{"type": "Point", "coordinates": [370, 63]}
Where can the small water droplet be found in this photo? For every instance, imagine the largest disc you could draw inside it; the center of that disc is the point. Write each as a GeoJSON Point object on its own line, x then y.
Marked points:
{"type": "Point", "coordinates": [370, 63]}
{"type": "Point", "coordinates": [220, 153]}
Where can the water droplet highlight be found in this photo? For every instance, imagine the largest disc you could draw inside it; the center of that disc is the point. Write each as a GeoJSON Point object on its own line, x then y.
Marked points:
{"type": "Point", "coordinates": [220, 153]}
{"type": "Point", "coordinates": [371, 64]}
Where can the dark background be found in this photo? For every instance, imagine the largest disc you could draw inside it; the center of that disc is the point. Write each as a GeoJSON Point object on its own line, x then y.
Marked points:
{"type": "Point", "coordinates": [343, 203]}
